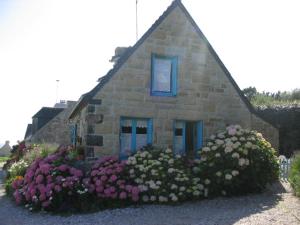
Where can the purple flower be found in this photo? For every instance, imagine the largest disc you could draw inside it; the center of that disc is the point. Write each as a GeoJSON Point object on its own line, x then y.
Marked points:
{"type": "Point", "coordinates": [39, 179]}
{"type": "Point", "coordinates": [123, 195]}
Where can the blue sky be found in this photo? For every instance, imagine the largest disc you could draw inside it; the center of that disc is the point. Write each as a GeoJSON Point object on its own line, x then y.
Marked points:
{"type": "Point", "coordinates": [72, 41]}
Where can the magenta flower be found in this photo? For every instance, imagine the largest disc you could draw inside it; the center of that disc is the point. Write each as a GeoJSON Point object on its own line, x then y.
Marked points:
{"type": "Point", "coordinates": [39, 179]}
{"type": "Point", "coordinates": [123, 195]}
{"type": "Point", "coordinates": [113, 178]}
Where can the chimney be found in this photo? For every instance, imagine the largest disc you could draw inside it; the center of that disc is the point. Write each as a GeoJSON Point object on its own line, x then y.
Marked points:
{"type": "Point", "coordinates": [119, 51]}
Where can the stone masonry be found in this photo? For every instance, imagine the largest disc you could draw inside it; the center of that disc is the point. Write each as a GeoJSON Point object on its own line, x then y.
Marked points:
{"type": "Point", "coordinates": [204, 92]}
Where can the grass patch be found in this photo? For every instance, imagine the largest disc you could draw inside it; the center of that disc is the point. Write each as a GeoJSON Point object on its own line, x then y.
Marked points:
{"type": "Point", "coordinates": [294, 176]}
{"type": "Point", "coordinates": [3, 159]}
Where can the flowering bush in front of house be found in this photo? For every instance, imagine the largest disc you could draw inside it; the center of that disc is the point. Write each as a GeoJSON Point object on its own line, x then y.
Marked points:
{"type": "Point", "coordinates": [163, 178]}
{"type": "Point", "coordinates": [235, 161]}
{"type": "Point", "coordinates": [107, 183]}
{"type": "Point", "coordinates": [49, 183]}
{"type": "Point", "coordinates": [238, 161]}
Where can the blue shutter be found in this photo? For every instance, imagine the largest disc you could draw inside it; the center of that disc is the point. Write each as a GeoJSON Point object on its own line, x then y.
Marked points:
{"type": "Point", "coordinates": [149, 131]}
{"type": "Point", "coordinates": [133, 136]}
{"type": "Point", "coordinates": [174, 76]}
{"type": "Point", "coordinates": [199, 137]}
{"type": "Point", "coordinates": [183, 138]}
{"type": "Point", "coordinates": [122, 151]}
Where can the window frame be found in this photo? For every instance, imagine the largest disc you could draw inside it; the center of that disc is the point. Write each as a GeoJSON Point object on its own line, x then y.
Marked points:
{"type": "Point", "coordinates": [133, 134]}
{"type": "Point", "coordinates": [173, 75]}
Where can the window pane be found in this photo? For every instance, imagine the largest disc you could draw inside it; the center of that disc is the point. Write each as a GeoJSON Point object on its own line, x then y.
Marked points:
{"type": "Point", "coordinates": [162, 75]}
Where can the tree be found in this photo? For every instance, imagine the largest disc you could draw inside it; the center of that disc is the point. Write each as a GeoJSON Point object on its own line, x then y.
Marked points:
{"type": "Point", "coordinates": [250, 92]}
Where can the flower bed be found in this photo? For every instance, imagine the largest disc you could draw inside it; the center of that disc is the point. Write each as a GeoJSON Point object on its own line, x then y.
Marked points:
{"type": "Point", "coordinates": [49, 183]}
{"type": "Point", "coordinates": [235, 161]}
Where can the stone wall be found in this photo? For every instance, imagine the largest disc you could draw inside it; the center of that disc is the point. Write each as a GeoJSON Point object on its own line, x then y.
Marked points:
{"type": "Point", "coordinates": [57, 130]}
{"type": "Point", "coordinates": [203, 90]}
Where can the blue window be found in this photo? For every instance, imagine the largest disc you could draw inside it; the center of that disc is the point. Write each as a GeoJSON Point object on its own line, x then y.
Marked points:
{"type": "Point", "coordinates": [188, 137]}
{"type": "Point", "coordinates": [135, 133]}
{"type": "Point", "coordinates": [163, 75]}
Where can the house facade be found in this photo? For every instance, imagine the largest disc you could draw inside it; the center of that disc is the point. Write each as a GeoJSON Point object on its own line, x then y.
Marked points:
{"type": "Point", "coordinates": [51, 125]}
{"type": "Point", "coordinates": [5, 149]}
{"type": "Point", "coordinates": [170, 89]}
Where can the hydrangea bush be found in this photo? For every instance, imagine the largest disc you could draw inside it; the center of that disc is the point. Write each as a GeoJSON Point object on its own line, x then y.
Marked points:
{"type": "Point", "coordinates": [49, 183]}
{"type": "Point", "coordinates": [163, 178]}
{"type": "Point", "coordinates": [107, 183]}
{"type": "Point", "coordinates": [238, 161]}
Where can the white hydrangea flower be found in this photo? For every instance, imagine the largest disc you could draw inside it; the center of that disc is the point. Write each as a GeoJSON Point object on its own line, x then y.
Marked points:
{"type": "Point", "coordinates": [174, 198]}
{"type": "Point", "coordinates": [217, 155]}
{"type": "Point", "coordinates": [207, 181]}
{"type": "Point", "coordinates": [171, 170]}
{"type": "Point", "coordinates": [236, 145]}
{"type": "Point", "coordinates": [219, 142]}
{"type": "Point", "coordinates": [235, 155]}
{"type": "Point", "coordinates": [245, 151]}
{"type": "Point", "coordinates": [242, 139]}
{"type": "Point", "coordinates": [196, 169]}
{"type": "Point", "coordinates": [206, 149]}
{"type": "Point", "coordinates": [168, 150]}
{"type": "Point", "coordinates": [171, 161]}
{"type": "Point", "coordinates": [234, 172]}
{"type": "Point", "coordinates": [212, 137]}
{"type": "Point", "coordinates": [248, 144]}
{"type": "Point", "coordinates": [200, 186]}
{"type": "Point", "coordinates": [209, 143]}
{"type": "Point", "coordinates": [234, 138]}
{"type": "Point", "coordinates": [214, 148]}
{"type": "Point", "coordinates": [196, 193]}
{"type": "Point", "coordinates": [228, 176]}
{"type": "Point", "coordinates": [174, 186]}
{"type": "Point", "coordinates": [177, 156]}
{"type": "Point", "coordinates": [228, 149]}
{"type": "Point", "coordinates": [153, 198]}
{"type": "Point", "coordinates": [229, 143]}
{"type": "Point", "coordinates": [242, 161]}
{"type": "Point", "coordinates": [145, 198]}
{"type": "Point", "coordinates": [219, 173]}
{"type": "Point", "coordinates": [247, 162]}
{"type": "Point", "coordinates": [203, 158]}
{"type": "Point", "coordinates": [182, 188]}
{"type": "Point", "coordinates": [254, 147]}
{"type": "Point", "coordinates": [221, 135]}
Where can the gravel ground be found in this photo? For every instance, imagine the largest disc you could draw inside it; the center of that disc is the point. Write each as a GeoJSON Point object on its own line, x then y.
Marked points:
{"type": "Point", "coordinates": [275, 206]}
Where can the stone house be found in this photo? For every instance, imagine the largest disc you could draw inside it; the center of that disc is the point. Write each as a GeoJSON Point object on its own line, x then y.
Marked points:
{"type": "Point", "coordinates": [51, 125]}
{"type": "Point", "coordinates": [170, 89]}
{"type": "Point", "coordinates": [5, 149]}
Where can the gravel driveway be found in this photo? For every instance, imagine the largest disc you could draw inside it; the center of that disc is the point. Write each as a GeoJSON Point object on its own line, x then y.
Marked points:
{"type": "Point", "coordinates": [275, 206]}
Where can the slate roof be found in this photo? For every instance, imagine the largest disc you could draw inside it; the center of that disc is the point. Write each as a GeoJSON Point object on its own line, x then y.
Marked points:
{"type": "Point", "coordinates": [47, 112]}
{"type": "Point", "coordinates": [84, 100]}
{"type": "Point", "coordinates": [28, 132]}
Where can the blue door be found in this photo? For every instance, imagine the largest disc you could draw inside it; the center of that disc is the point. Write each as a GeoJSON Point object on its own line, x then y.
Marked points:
{"type": "Point", "coordinates": [188, 137]}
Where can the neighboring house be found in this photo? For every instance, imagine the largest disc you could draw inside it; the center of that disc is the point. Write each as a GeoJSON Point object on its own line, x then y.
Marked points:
{"type": "Point", "coordinates": [51, 124]}
{"type": "Point", "coordinates": [169, 89]}
{"type": "Point", "coordinates": [5, 149]}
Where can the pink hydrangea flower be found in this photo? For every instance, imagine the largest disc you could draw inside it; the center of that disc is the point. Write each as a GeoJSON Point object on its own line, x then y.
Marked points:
{"type": "Point", "coordinates": [39, 179]}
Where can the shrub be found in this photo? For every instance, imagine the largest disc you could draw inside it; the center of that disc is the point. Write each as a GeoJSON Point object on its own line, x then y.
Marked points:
{"type": "Point", "coordinates": [106, 181]}
{"type": "Point", "coordinates": [17, 169]}
{"type": "Point", "coordinates": [294, 176]}
{"type": "Point", "coordinates": [238, 161]}
{"type": "Point", "coordinates": [50, 183]}
{"type": "Point", "coordinates": [34, 152]}
{"type": "Point", "coordinates": [163, 178]}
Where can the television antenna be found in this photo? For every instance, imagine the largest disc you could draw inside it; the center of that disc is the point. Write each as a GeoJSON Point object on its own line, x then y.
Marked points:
{"type": "Point", "coordinates": [57, 86]}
